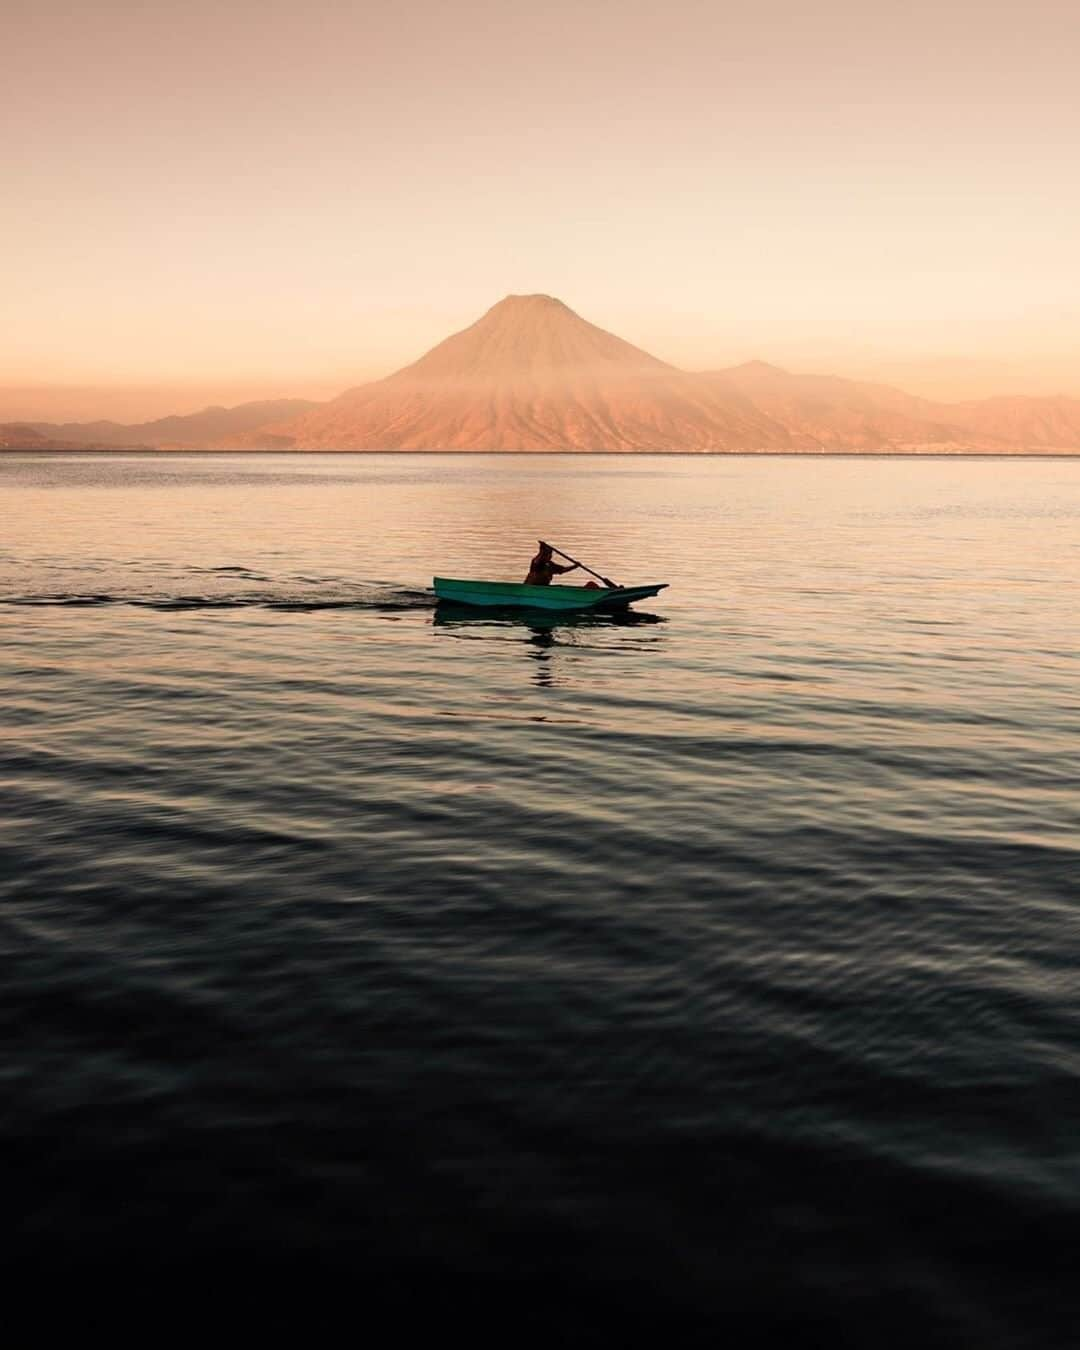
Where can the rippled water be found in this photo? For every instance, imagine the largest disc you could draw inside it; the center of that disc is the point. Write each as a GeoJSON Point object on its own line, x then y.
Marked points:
{"type": "Point", "coordinates": [710, 964]}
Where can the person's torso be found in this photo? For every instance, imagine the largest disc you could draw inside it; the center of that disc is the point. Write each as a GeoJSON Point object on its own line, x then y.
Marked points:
{"type": "Point", "coordinates": [540, 573]}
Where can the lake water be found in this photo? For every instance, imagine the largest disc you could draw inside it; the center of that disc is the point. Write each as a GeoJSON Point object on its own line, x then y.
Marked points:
{"type": "Point", "coordinates": [717, 963]}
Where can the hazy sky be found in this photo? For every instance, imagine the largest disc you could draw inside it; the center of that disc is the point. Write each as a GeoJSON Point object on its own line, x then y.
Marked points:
{"type": "Point", "coordinates": [237, 197]}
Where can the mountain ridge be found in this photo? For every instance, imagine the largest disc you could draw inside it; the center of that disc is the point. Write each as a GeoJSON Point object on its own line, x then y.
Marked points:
{"type": "Point", "coordinates": [25, 436]}
{"type": "Point", "coordinates": [532, 374]}
{"type": "Point", "coordinates": [184, 431]}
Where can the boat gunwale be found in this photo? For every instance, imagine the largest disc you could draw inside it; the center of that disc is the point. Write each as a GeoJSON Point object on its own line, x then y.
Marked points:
{"type": "Point", "coordinates": [509, 594]}
{"type": "Point", "coordinates": [519, 587]}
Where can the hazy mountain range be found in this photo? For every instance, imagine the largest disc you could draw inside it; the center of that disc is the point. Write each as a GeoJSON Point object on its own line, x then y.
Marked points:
{"type": "Point", "coordinates": [26, 436]}
{"type": "Point", "coordinates": [533, 375]}
{"type": "Point", "coordinates": [195, 431]}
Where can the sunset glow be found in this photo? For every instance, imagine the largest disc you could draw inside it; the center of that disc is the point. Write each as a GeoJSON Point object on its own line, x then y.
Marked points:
{"type": "Point", "coordinates": [208, 203]}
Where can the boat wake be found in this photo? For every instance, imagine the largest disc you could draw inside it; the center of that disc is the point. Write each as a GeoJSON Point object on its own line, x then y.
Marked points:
{"type": "Point", "coordinates": [382, 600]}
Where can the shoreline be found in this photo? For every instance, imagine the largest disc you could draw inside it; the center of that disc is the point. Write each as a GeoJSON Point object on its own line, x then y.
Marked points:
{"type": "Point", "coordinates": [144, 451]}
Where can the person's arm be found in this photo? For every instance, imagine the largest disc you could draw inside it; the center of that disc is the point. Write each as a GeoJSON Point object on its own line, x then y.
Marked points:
{"type": "Point", "coordinates": [559, 570]}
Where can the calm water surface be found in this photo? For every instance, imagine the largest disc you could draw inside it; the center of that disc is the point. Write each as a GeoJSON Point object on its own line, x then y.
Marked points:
{"type": "Point", "coordinates": [714, 964]}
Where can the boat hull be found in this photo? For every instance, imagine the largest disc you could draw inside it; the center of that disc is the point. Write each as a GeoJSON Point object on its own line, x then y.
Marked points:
{"type": "Point", "coordinates": [564, 599]}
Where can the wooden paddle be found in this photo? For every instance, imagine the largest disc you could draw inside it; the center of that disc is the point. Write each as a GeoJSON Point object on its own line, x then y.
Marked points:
{"type": "Point", "coordinates": [606, 580]}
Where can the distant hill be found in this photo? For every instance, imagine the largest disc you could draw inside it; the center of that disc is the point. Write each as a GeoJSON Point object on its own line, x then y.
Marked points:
{"type": "Point", "coordinates": [533, 375]}
{"type": "Point", "coordinates": [1028, 422]}
{"type": "Point", "coordinates": [23, 436]}
{"type": "Point", "coordinates": [838, 414]}
{"type": "Point", "coordinates": [874, 415]}
{"type": "Point", "coordinates": [193, 431]}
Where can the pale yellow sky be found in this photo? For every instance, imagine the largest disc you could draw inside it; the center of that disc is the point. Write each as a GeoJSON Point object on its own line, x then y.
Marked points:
{"type": "Point", "coordinates": [228, 200]}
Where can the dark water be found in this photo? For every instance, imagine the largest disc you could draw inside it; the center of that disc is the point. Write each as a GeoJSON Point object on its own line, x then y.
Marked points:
{"type": "Point", "coordinates": [711, 969]}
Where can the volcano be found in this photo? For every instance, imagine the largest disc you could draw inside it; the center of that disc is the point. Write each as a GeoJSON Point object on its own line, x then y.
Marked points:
{"type": "Point", "coordinates": [533, 375]}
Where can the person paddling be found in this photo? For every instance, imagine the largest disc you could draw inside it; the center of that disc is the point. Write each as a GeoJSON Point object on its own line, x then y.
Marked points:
{"type": "Point", "coordinates": [543, 567]}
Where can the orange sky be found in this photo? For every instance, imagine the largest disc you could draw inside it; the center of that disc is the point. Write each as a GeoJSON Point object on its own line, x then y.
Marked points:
{"type": "Point", "coordinates": [242, 198]}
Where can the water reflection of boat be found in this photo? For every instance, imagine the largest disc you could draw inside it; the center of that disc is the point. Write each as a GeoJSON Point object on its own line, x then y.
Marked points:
{"type": "Point", "coordinates": [543, 634]}
{"type": "Point", "coordinates": [449, 615]}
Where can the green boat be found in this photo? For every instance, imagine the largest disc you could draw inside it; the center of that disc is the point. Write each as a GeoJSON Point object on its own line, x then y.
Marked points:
{"type": "Point", "coordinates": [565, 599]}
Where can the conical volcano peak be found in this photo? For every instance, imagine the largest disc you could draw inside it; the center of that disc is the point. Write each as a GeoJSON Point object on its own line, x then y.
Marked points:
{"type": "Point", "coordinates": [528, 336]}
{"type": "Point", "coordinates": [522, 303]}
{"type": "Point", "coordinates": [522, 310]}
